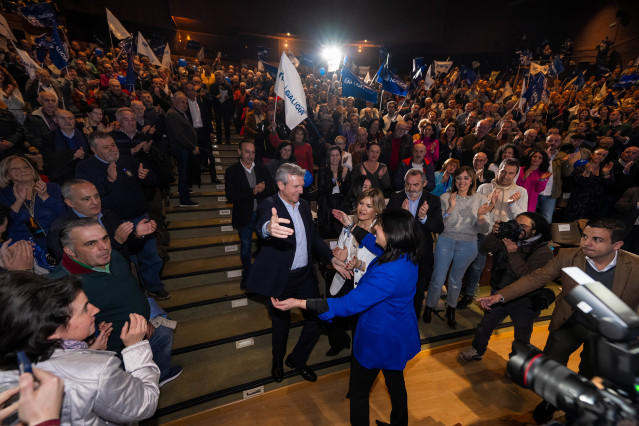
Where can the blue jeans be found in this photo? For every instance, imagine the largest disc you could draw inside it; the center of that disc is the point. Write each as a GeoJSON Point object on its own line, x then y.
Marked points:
{"type": "Point", "coordinates": [148, 262]}
{"type": "Point", "coordinates": [182, 159]}
{"type": "Point", "coordinates": [546, 207]}
{"type": "Point", "coordinates": [246, 243]}
{"type": "Point", "coordinates": [161, 342]}
{"type": "Point", "coordinates": [447, 251]}
{"type": "Point", "coordinates": [475, 269]}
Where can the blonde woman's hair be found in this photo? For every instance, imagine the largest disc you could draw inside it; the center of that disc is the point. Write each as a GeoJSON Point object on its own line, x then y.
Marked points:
{"type": "Point", "coordinates": [4, 170]}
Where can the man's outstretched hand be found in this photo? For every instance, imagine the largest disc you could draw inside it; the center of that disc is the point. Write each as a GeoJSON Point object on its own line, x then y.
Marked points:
{"type": "Point", "coordinates": [276, 226]}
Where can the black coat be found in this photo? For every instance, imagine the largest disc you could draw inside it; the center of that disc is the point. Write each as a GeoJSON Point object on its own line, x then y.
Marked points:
{"type": "Point", "coordinates": [241, 194]}
{"type": "Point", "coordinates": [270, 271]}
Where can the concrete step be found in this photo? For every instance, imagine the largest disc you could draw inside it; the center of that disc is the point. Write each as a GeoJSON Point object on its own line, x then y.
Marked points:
{"type": "Point", "coordinates": [186, 298]}
{"type": "Point", "coordinates": [183, 282]}
{"type": "Point", "coordinates": [199, 223]}
{"type": "Point", "coordinates": [187, 268]}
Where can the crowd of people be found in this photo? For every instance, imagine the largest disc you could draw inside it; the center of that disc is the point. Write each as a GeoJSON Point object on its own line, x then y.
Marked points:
{"type": "Point", "coordinates": [86, 166]}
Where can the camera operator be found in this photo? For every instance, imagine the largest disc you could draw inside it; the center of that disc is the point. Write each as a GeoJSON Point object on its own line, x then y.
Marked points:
{"type": "Point", "coordinates": [601, 257]}
{"type": "Point", "coordinates": [519, 247]}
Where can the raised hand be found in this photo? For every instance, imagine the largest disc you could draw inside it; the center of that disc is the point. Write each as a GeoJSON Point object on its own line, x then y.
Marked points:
{"type": "Point", "coordinates": [452, 200]}
{"type": "Point", "coordinates": [608, 168]}
{"type": "Point", "coordinates": [341, 217]}
{"type": "Point", "coordinates": [142, 172]}
{"type": "Point", "coordinates": [134, 330]}
{"type": "Point", "coordinates": [513, 198]}
{"type": "Point", "coordinates": [546, 175]}
{"type": "Point", "coordinates": [276, 226]}
{"type": "Point", "coordinates": [123, 231]}
{"type": "Point", "coordinates": [405, 204]}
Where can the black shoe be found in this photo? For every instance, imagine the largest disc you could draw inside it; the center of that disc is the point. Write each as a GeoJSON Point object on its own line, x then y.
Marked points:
{"type": "Point", "coordinates": [464, 301]}
{"type": "Point", "coordinates": [335, 351]}
{"type": "Point", "coordinates": [428, 315]}
{"type": "Point", "coordinates": [277, 371]}
{"type": "Point", "coordinates": [450, 316]}
{"type": "Point", "coordinates": [543, 412]}
{"type": "Point", "coordinates": [160, 294]}
{"type": "Point", "coordinates": [305, 371]}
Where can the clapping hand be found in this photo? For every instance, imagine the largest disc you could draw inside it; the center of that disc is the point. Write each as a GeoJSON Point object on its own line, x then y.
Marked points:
{"type": "Point", "coordinates": [78, 154]}
{"type": "Point", "coordinates": [276, 226]}
{"type": "Point", "coordinates": [452, 200]}
{"type": "Point", "coordinates": [123, 231]}
{"type": "Point", "coordinates": [513, 198]}
{"type": "Point", "coordinates": [41, 189]}
{"type": "Point", "coordinates": [259, 188]}
{"type": "Point", "coordinates": [134, 330]}
{"type": "Point", "coordinates": [112, 172]}
{"type": "Point", "coordinates": [145, 227]}
{"type": "Point", "coordinates": [18, 257]}
{"type": "Point", "coordinates": [423, 211]}
{"type": "Point", "coordinates": [100, 342]}
{"type": "Point", "coordinates": [142, 172]}
{"type": "Point", "coordinates": [607, 168]}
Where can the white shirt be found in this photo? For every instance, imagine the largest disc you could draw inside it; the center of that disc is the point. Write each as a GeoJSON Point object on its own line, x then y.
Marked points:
{"type": "Point", "coordinates": [195, 114]}
{"type": "Point", "coordinates": [611, 265]}
{"type": "Point", "coordinates": [548, 190]}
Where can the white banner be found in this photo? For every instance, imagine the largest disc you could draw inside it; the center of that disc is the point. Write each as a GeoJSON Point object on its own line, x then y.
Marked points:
{"type": "Point", "coordinates": [535, 68]}
{"type": "Point", "coordinates": [145, 49]}
{"type": "Point", "coordinates": [116, 27]}
{"type": "Point", "coordinates": [5, 30]}
{"type": "Point", "coordinates": [166, 57]}
{"type": "Point", "coordinates": [288, 86]}
{"type": "Point", "coordinates": [29, 64]}
{"type": "Point", "coordinates": [442, 66]}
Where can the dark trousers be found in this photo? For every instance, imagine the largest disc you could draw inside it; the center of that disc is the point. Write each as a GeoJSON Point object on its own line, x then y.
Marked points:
{"type": "Point", "coordinates": [182, 158]}
{"type": "Point", "coordinates": [632, 240]}
{"type": "Point", "coordinates": [522, 317]}
{"type": "Point", "coordinates": [246, 244]}
{"type": "Point", "coordinates": [361, 382]}
{"type": "Point", "coordinates": [423, 278]}
{"type": "Point", "coordinates": [301, 284]}
{"type": "Point", "coordinates": [567, 339]}
{"type": "Point", "coordinates": [223, 112]}
{"type": "Point", "coordinates": [206, 158]}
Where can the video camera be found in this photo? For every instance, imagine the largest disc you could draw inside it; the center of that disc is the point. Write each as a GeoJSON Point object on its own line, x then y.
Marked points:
{"type": "Point", "coordinates": [615, 357]}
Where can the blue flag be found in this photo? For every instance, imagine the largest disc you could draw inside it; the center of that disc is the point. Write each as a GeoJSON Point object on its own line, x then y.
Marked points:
{"type": "Point", "coordinates": [270, 69]}
{"type": "Point", "coordinates": [262, 53]}
{"type": "Point", "coordinates": [610, 100]}
{"type": "Point", "coordinates": [626, 81]}
{"type": "Point", "coordinates": [556, 67]}
{"type": "Point", "coordinates": [42, 47]}
{"type": "Point", "coordinates": [57, 54]}
{"type": "Point", "coordinates": [580, 80]}
{"type": "Point", "coordinates": [535, 91]}
{"type": "Point", "coordinates": [130, 76]}
{"type": "Point", "coordinates": [416, 78]}
{"type": "Point", "coordinates": [355, 87]}
{"type": "Point", "coordinates": [40, 15]}
{"type": "Point", "coordinates": [467, 74]}
{"type": "Point", "coordinates": [384, 55]}
{"type": "Point", "coordinates": [391, 82]}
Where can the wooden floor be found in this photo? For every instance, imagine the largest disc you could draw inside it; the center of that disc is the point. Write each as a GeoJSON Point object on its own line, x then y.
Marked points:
{"type": "Point", "coordinates": [441, 391]}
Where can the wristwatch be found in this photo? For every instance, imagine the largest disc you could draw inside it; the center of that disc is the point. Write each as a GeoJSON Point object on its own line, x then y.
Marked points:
{"type": "Point", "coordinates": [501, 298]}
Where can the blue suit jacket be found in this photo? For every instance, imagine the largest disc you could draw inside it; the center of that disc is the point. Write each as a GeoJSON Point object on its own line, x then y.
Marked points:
{"type": "Point", "coordinates": [387, 336]}
{"type": "Point", "coordinates": [270, 271]}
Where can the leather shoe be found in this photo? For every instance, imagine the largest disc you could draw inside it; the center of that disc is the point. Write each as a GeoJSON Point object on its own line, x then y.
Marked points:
{"type": "Point", "coordinates": [428, 315]}
{"type": "Point", "coordinates": [277, 371]}
{"type": "Point", "coordinates": [464, 301]}
{"type": "Point", "coordinates": [305, 371]}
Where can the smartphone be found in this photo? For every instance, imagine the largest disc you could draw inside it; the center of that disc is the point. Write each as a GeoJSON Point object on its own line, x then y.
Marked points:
{"type": "Point", "coordinates": [24, 363]}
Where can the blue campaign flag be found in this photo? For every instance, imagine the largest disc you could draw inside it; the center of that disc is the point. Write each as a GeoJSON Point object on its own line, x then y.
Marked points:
{"type": "Point", "coordinates": [391, 82]}
{"type": "Point", "coordinates": [467, 74]}
{"type": "Point", "coordinates": [355, 87]}
{"type": "Point", "coordinates": [158, 50]}
{"type": "Point", "coordinates": [40, 15]}
{"type": "Point", "coordinates": [535, 91]}
{"type": "Point", "coordinates": [270, 69]}
{"type": "Point", "coordinates": [130, 75]}
{"type": "Point", "coordinates": [610, 100]}
{"type": "Point", "coordinates": [42, 47]}
{"type": "Point", "coordinates": [626, 81]}
{"type": "Point", "coordinates": [384, 55]}
{"type": "Point", "coordinates": [262, 53]}
{"type": "Point", "coordinates": [57, 54]}
{"type": "Point", "coordinates": [580, 81]}
{"type": "Point", "coordinates": [127, 45]}
{"type": "Point", "coordinates": [556, 67]}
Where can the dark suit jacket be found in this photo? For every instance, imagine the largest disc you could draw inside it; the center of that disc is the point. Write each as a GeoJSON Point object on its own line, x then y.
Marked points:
{"type": "Point", "coordinates": [241, 194]}
{"type": "Point", "coordinates": [180, 131]}
{"type": "Point", "coordinates": [487, 177]}
{"type": "Point", "coordinates": [627, 206]}
{"type": "Point", "coordinates": [434, 220]}
{"type": "Point", "coordinates": [624, 285]}
{"type": "Point", "coordinates": [270, 271]}
{"type": "Point", "coordinates": [205, 113]}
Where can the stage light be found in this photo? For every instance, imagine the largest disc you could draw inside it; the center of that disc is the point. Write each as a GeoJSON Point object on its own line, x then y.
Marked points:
{"type": "Point", "coordinates": [333, 56]}
{"type": "Point", "coordinates": [288, 34]}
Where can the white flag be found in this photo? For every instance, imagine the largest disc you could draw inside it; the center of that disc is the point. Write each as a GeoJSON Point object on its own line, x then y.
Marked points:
{"type": "Point", "coordinates": [535, 68]}
{"type": "Point", "coordinates": [166, 57]}
{"type": "Point", "coordinates": [29, 64]}
{"type": "Point", "coordinates": [368, 78]}
{"type": "Point", "coordinates": [293, 59]}
{"type": "Point", "coordinates": [475, 64]}
{"type": "Point", "coordinates": [5, 30]}
{"type": "Point", "coordinates": [288, 86]}
{"type": "Point", "coordinates": [145, 49]}
{"type": "Point", "coordinates": [116, 27]}
{"type": "Point", "coordinates": [200, 53]}
{"type": "Point", "coordinates": [428, 80]}
{"type": "Point", "coordinates": [522, 100]}
{"type": "Point", "coordinates": [508, 91]}
{"type": "Point", "coordinates": [442, 66]}
{"type": "Point", "coordinates": [604, 91]}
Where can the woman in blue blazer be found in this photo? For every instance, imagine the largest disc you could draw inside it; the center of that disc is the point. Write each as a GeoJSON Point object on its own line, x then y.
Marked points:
{"type": "Point", "coordinates": [387, 336]}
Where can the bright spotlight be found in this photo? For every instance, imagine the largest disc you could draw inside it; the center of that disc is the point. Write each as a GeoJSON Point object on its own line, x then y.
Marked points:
{"type": "Point", "coordinates": [332, 55]}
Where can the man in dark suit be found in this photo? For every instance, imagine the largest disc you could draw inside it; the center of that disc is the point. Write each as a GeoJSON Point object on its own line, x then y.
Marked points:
{"type": "Point", "coordinates": [600, 256]}
{"type": "Point", "coordinates": [247, 183]}
{"type": "Point", "coordinates": [183, 143]}
{"type": "Point", "coordinates": [200, 115]}
{"type": "Point", "coordinates": [482, 174]}
{"type": "Point", "coordinates": [222, 95]}
{"type": "Point", "coordinates": [427, 210]}
{"type": "Point", "coordinates": [284, 268]}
